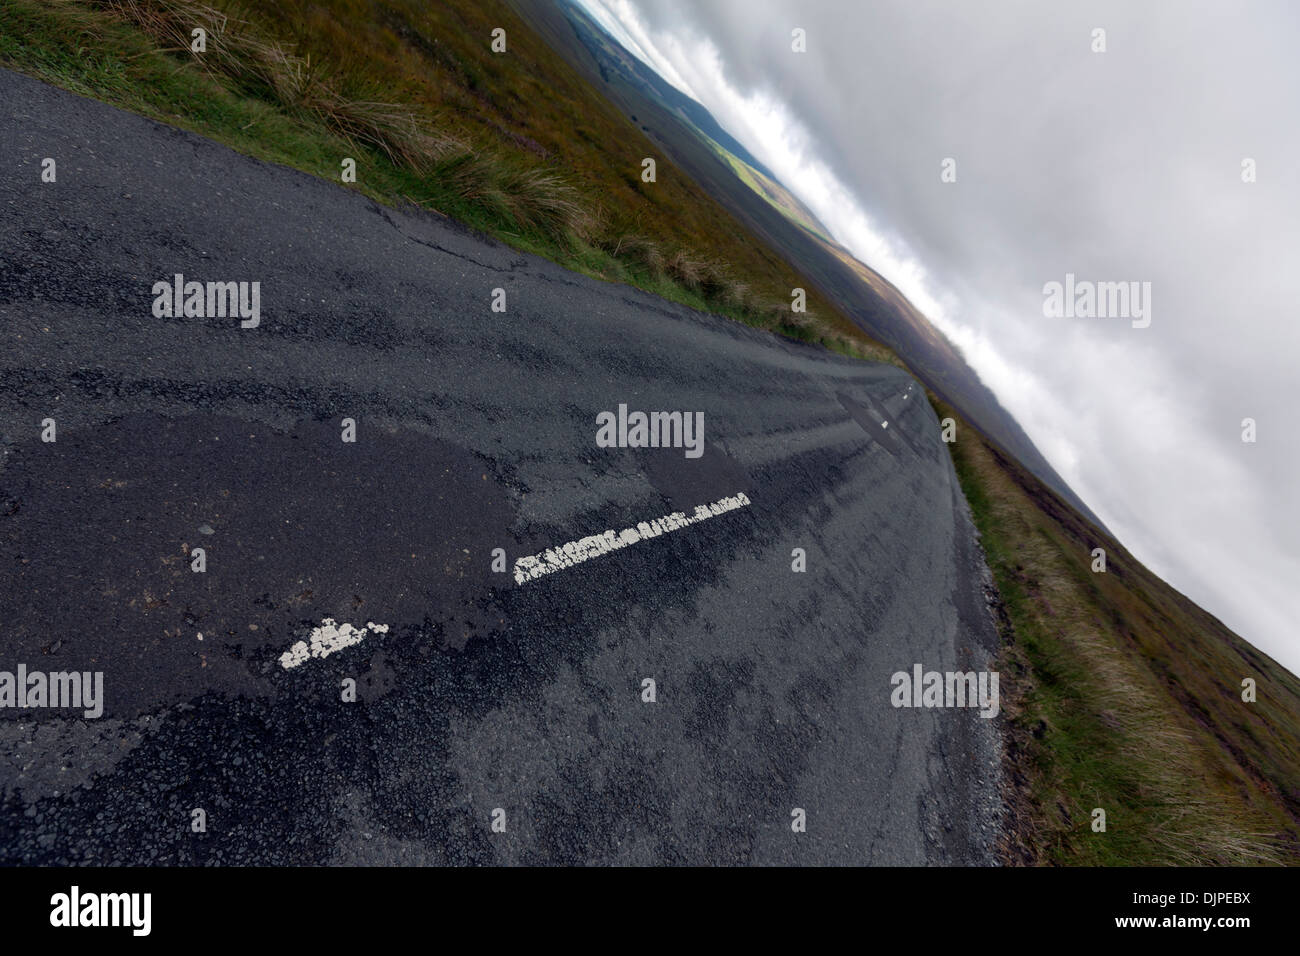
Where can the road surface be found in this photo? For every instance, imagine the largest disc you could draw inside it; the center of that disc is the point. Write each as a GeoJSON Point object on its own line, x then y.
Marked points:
{"type": "Point", "coordinates": [484, 701]}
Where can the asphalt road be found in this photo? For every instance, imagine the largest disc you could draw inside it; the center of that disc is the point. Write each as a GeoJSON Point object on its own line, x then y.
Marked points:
{"type": "Point", "coordinates": [475, 430]}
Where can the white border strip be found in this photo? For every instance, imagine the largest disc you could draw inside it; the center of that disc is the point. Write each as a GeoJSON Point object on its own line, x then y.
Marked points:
{"type": "Point", "coordinates": [594, 546]}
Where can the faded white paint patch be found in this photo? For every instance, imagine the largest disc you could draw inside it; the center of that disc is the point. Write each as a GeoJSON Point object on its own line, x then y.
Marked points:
{"type": "Point", "coordinates": [327, 639]}
{"type": "Point", "coordinates": [532, 567]}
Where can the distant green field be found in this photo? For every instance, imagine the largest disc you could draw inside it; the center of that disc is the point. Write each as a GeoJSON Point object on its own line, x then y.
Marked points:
{"type": "Point", "coordinates": [771, 192]}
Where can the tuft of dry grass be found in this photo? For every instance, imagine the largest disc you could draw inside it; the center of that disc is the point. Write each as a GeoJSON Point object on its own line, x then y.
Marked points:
{"type": "Point", "coordinates": [640, 250]}
{"type": "Point", "coordinates": [544, 200]}
{"type": "Point", "coordinates": [535, 198]}
{"type": "Point", "coordinates": [529, 198]}
{"type": "Point", "coordinates": [686, 269]}
{"type": "Point", "coordinates": [234, 48]}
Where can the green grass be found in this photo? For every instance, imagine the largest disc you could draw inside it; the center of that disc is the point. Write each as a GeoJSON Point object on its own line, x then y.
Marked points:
{"type": "Point", "coordinates": [1124, 695]}
{"type": "Point", "coordinates": [412, 91]}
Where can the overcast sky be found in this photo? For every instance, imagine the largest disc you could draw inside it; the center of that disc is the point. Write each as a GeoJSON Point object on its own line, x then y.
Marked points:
{"type": "Point", "coordinates": [1117, 166]}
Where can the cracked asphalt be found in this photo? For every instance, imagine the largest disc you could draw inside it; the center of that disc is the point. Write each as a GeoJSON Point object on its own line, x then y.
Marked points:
{"type": "Point", "coordinates": [475, 431]}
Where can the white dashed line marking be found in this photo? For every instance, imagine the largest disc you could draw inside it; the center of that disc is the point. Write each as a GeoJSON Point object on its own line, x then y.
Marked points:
{"type": "Point", "coordinates": [327, 639]}
{"type": "Point", "coordinates": [594, 546]}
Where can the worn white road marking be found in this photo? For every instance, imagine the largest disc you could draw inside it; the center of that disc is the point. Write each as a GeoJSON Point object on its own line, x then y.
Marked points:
{"type": "Point", "coordinates": [327, 639]}
{"type": "Point", "coordinates": [575, 552]}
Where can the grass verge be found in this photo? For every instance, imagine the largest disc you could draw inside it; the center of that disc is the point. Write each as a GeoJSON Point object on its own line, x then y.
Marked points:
{"type": "Point", "coordinates": [1123, 695]}
{"type": "Point", "coordinates": [413, 92]}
